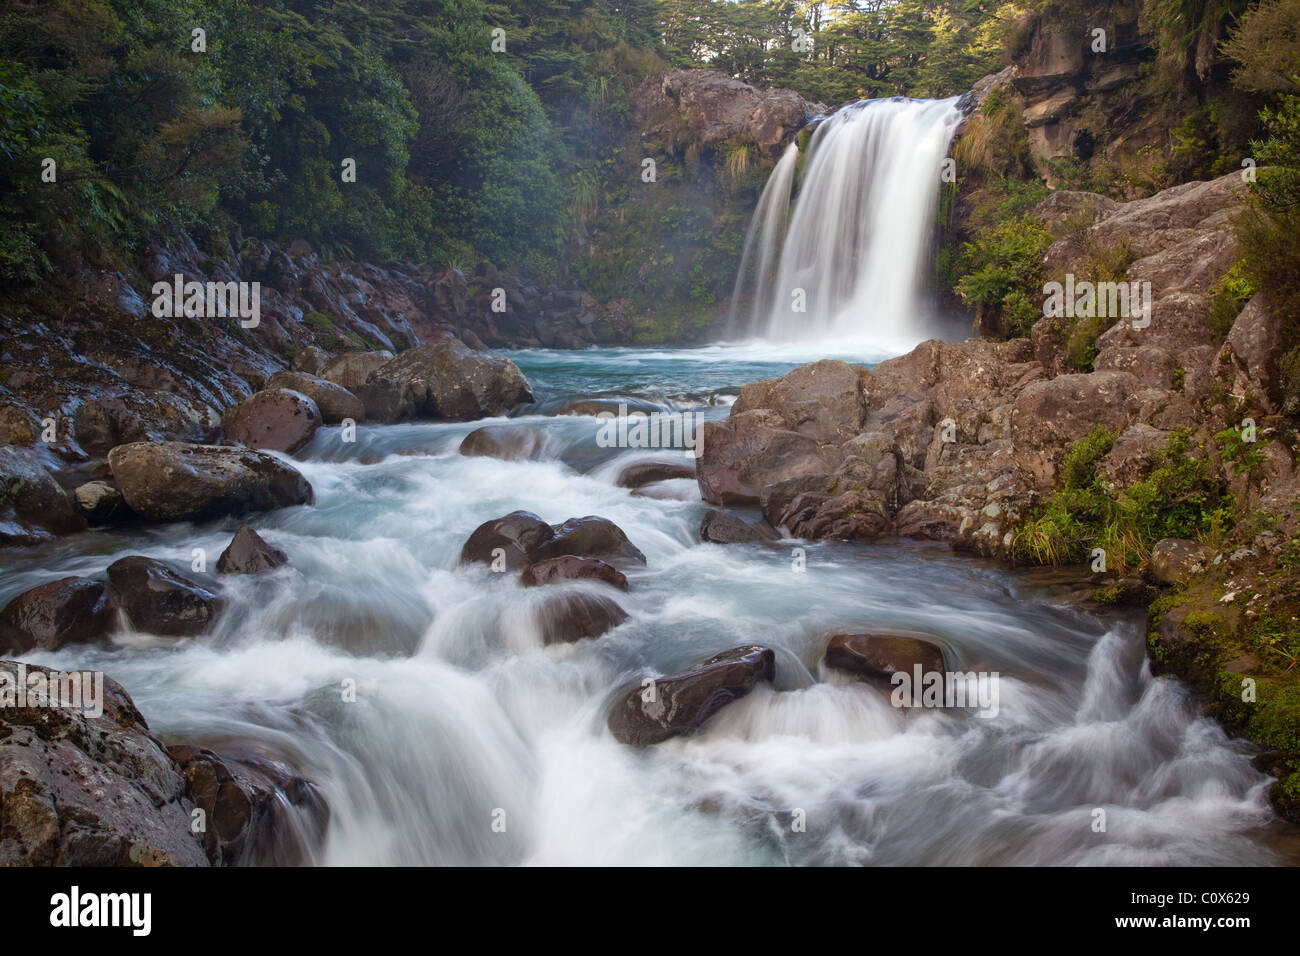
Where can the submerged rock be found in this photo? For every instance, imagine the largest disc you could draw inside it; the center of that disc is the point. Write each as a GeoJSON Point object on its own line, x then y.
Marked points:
{"type": "Point", "coordinates": [158, 600]}
{"type": "Point", "coordinates": [248, 553]}
{"type": "Point", "coordinates": [524, 538]}
{"type": "Point", "coordinates": [278, 419]}
{"type": "Point", "coordinates": [566, 618]}
{"type": "Point", "coordinates": [722, 528]}
{"type": "Point", "coordinates": [645, 473]}
{"type": "Point", "coordinates": [175, 481]}
{"type": "Point", "coordinates": [875, 658]}
{"type": "Point", "coordinates": [83, 790]}
{"type": "Point", "coordinates": [67, 611]}
{"type": "Point", "coordinates": [501, 441]}
{"type": "Point", "coordinates": [680, 703]}
{"type": "Point", "coordinates": [259, 812]}
{"type": "Point", "coordinates": [589, 537]}
{"type": "Point", "coordinates": [571, 568]}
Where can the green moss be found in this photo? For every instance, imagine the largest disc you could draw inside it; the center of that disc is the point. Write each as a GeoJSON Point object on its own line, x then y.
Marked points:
{"type": "Point", "coordinates": [321, 321]}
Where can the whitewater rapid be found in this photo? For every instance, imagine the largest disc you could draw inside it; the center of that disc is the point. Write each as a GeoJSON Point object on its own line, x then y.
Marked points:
{"type": "Point", "coordinates": [463, 719]}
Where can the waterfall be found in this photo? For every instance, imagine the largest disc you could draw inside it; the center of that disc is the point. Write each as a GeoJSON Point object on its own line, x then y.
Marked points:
{"type": "Point", "coordinates": [843, 259]}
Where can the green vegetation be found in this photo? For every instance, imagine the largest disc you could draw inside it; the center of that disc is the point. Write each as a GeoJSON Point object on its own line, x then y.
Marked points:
{"type": "Point", "coordinates": [1003, 268]}
{"type": "Point", "coordinates": [1181, 496]}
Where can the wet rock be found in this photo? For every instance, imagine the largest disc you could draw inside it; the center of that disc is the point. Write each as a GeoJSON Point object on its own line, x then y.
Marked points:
{"type": "Point", "coordinates": [79, 790]}
{"type": "Point", "coordinates": [722, 528]}
{"type": "Point", "coordinates": [311, 360]}
{"type": "Point", "coordinates": [334, 401]}
{"type": "Point", "coordinates": [17, 426]}
{"type": "Point", "coordinates": [248, 553]}
{"type": "Point", "coordinates": [67, 611]}
{"type": "Point", "coordinates": [571, 568]}
{"type": "Point", "coordinates": [158, 600]}
{"type": "Point", "coordinates": [645, 473]}
{"type": "Point", "coordinates": [591, 407]}
{"type": "Point", "coordinates": [589, 537]}
{"type": "Point", "coordinates": [174, 481]}
{"type": "Point", "coordinates": [1174, 560]}
{"type": "Point", "coordinates": [506, 442]}
{"type": "Point", "coordinates": [450, 381]}
{"type": "Point", "coordinates": [566, 618]}
{"type": "Point", "coordinates": [98, 501]}
{"type": "Point", "coordinates": [278, 419]}
{"type": "Point", "coordinates": [875, 658]}
{"type": "Point", "coordinates": [515, 537]}
{"type": "Point", "coordinates": [33, 507]}
{"type": "Point", "coordinates": [353, 368]}
{"type": "Point", "coordinates": [259, 811]}
{"type": "Point", "coordinates": [678, 704]}
{"type": "Point", "coordinates": [385, 403]}
{"type": "Point", "coordinates": [751, 450]}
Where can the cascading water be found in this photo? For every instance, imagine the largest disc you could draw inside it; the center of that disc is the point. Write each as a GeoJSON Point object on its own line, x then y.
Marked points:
{"type": "Point", "coordinates": [462, 712]}
{"type": "Point", "coordinates": [842, 262]}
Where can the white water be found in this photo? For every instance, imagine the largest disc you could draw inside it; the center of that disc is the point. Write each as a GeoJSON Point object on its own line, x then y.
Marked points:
{"type": "Point", "coordinates": [855, 242]}
{"type": "Point", "coordinates": [462, 711]}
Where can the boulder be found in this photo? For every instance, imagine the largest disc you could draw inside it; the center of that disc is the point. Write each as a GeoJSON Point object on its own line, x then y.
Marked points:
{"type": "Point", "coordinates": [158, 600]}
{"type": "Point", "coordinates": [1174, 560]}
{"type": "Point", "coordinates": [353, 368]}
{"type": "Point", "coordinates": [450, 381]}
{"type": "Point", "coordinates": [278, 419]}
{"type": "Point", "coordinates": [98, 501]}
{"type": "Point", "coordinates": [751, 450]}
{"type": "Point", "coordinates": [67, 611]}
{"type": "Point", "coordinates": [509, 443]}
{"type": "Point", "coordinates": [572, 568]}
{"type": "Point", "coordinates": [385, 403]}
{"type": "Point", "coordinates": [722, 528]}
{"type": "Point", "coordinates": [589, 537]}
{"type": "Point", "coordinates": [175, 481]}
{"type": "Point", "coordinates": [645, 473]}
{"type": "Point", "coordinates": [334, 401]}
{"type": "Point", "coordinates": [248, 553]}
{"type": "Point", "coordinates": [517, 535]}
{"type": "Point", "coordinates": [566, 618]}
{"type": "Point", "coordinates": [875, 658]}
{"type": "Point", "coordinates": [311, 360]}
{"type": "Point", "coordinates": [83, 790]}
{"type": "Point", "coordinates": [1049, 416]}
{"type": "Point", "coordinates": [33, 507]}
{"type": "Point", "coordinates": [259, 811]}
{"type": "Point", "coordinates": [642, 715]}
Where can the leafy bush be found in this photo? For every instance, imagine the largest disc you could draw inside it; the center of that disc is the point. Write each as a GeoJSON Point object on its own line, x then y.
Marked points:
{"type": "Point", "coordinates": [1004, 266]}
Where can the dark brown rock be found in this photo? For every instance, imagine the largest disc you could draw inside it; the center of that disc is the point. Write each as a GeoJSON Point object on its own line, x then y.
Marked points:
{"type": "Point", "coordinates": [678, 704]}
{"type": "Point", "coordinates": [82, 790]}
{"type": "Point", "coordinates": [33, 507]}
{"type": "Point", "coordinates": [722, 528]}
{"type": "Point", "coordinates": [278, 419]}
{"type": "Point", "coordinates": [174, 481]}
{"type": "Point", "coordinates": [589, 537]}
{"type": "Point", "coordinates": [353, 368]}
{"type": "Point", "coordinates": [257, 811]}
{"type": "Point", "coordinates": [158, 600]}
{"type": "Point", "coordinates": [67, 611]}
{"type": "Point", "coordinates": [566, 618]}
{"type": "Point", "coordinates": [875, 658]}
{"type": "Point", "coordinates": [248, 553]}
{"type": "Point", "coordinates": [450, 381]}
{"type": "Point", "coordinates": [645, 473]}
{"type": "Point", "coordinates": [509, 443]}
{"type": "Point", "coordinates": [518, 535]}
{"type": "Point", "coordinates": [571, 568]}
{"type": "Point", "coordinates": [99, 501]}
{"type": "Point", "coordinates": [334, 401]}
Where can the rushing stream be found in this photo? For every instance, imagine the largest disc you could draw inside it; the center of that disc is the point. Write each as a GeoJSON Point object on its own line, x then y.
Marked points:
{"type": "Point", "coordinates": [462, 713]}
